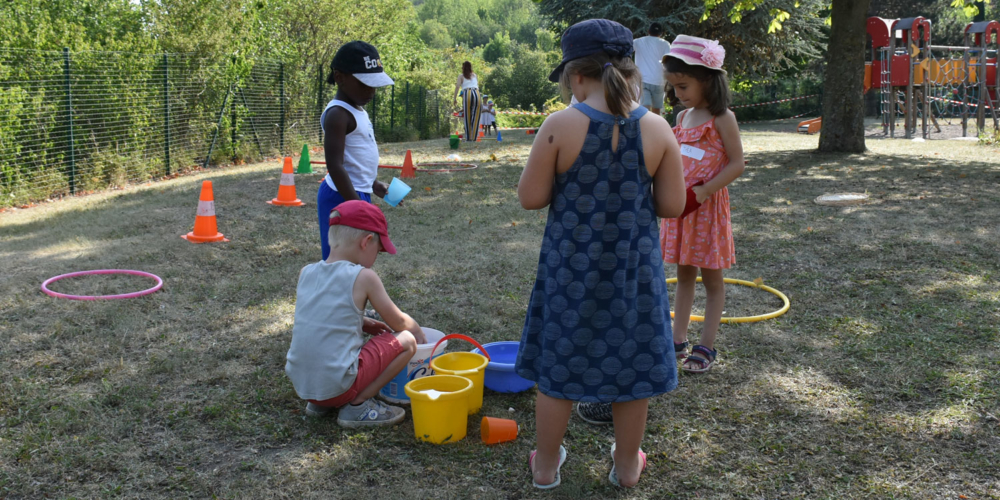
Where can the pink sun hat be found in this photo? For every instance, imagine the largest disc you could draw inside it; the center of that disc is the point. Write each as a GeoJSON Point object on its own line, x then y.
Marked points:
{"type": "Point", "coordinates": [696, 51]}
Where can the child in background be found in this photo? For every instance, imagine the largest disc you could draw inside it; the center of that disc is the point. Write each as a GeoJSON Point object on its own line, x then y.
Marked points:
{"type": "Point", "coordinates": [348, 136]}
{"type": "Point", "coordinates": [713, 158]}
{"type": "Point", "coordinates": [329, 362]}
{"type": "Point", "coordinates": [598, 322]}
{"type": "Point", "coordinates": [489, 116]}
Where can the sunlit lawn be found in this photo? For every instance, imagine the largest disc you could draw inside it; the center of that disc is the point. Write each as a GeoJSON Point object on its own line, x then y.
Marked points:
{"type": "Point", "coordinates": [881, 382]}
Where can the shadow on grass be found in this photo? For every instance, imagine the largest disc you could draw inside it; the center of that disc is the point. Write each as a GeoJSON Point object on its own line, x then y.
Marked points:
{"type": "Point", "coordinates": [884, 370]}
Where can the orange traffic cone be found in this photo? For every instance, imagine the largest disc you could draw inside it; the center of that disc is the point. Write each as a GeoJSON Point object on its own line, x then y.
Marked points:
{"type": "Point", "coordinates": [408, 171]}
{"type": "Point", "coordinates": [205, 229]}
{"type": "Point", "coordinates": [481, 133]}
{"type": "Point", "coordinates": [286, 189]}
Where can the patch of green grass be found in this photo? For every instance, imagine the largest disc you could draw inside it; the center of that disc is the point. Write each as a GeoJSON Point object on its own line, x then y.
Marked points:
{"type": "Point", "coordinates": [880, 382]}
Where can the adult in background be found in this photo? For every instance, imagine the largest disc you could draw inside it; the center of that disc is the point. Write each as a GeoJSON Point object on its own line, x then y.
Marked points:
{"type": "Point", "coordinates": [472, 106]}
{"type": "Point", "coordinates": [649, 52]}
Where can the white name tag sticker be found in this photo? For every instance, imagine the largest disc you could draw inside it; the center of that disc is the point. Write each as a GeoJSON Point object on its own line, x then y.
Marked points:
{"type": "Point", "coordinates": [692, 152]}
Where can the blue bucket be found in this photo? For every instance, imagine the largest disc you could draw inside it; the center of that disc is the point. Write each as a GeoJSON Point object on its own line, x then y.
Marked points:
{"type": "Point", "coordinates": [500, 375]}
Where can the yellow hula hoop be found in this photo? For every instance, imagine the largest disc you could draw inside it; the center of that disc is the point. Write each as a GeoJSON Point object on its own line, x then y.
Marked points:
{"type": "Point", "coordinates": [745, 319]}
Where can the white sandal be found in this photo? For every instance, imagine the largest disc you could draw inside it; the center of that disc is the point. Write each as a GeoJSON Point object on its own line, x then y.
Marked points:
{"type": "Point", "coordinates": [553, 484]}
{"type": "Point", "coordinates": [613, 475]}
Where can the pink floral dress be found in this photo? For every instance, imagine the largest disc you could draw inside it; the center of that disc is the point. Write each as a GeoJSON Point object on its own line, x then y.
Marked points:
{"type": "Point", "coordinates": [703, 238]}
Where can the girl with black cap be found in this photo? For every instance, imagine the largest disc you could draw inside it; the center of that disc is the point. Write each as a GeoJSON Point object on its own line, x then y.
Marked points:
{"type": "Point", "coordinates": [348, 136]}
{"type": "Point", "coordinates": [598, 322]}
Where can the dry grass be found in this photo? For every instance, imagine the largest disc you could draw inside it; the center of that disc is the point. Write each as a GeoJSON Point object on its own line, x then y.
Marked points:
{"type": "Point", "coordinates": [881, 382]}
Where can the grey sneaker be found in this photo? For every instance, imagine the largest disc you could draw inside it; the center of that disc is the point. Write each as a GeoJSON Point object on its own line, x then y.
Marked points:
{"type": "Point", "coordinates": [313, 410]}
{"type": "Point", "coordinates": [372, 314]}
{"type": "Point", "coordinates": [595, 413]}
{"type": "Point", "coordinates": [371, 413]}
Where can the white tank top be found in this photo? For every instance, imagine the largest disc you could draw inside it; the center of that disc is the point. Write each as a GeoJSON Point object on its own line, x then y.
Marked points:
{"type": "Point", "coordinates": [360, 150]}
{"type": "Point", "coordinates": [322, 361]}
{"type": "Point", "coordinates": [472, 83]}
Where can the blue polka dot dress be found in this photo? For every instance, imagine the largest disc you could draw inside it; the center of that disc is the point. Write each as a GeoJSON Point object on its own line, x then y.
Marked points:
{"type": "Point", "coordinates": [598, 322]}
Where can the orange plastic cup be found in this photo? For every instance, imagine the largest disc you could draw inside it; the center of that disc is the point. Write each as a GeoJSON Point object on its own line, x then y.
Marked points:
{"type": "Point", "coordinates": [497, 430]}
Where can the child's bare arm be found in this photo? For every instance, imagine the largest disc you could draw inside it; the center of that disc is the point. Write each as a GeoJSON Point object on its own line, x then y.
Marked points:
{"type": "Point", "coordinates": [338, 123]}
{"type": "Point", "coordinates": [372, 286]}
{"type": "Point", "coordinates": [729, 130]}
{"type": "Point", "coordinates": [668, 183]}
{"type": "Point", "coordinates": [534, 190]}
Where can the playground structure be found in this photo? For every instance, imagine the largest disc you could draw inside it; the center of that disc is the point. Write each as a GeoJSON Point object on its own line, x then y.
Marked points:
{"type": "Point", "coordinates": [935, 80]}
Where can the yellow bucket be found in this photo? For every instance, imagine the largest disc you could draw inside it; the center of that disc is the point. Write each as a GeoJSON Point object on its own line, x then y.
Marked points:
{"type": "Point", "coordinates": [465, 364]}
{"type": "Point", "coordinates": [440, 406]}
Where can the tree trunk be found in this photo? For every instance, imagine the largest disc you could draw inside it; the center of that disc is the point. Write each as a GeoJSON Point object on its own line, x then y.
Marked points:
{"type": "Point", "coordinates": [843, 98]}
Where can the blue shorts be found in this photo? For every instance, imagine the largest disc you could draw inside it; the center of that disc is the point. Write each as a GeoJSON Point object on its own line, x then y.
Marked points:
{"type": "Point", "coordinates": [652, 95]}
{"type": "Point", "coordinates": [326, 200]}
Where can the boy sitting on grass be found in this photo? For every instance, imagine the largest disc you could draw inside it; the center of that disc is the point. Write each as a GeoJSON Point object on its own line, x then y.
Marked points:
{"type": "Point", "coordinates": [329, 362]}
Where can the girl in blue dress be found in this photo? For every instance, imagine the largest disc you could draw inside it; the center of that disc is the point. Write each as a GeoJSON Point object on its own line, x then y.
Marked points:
{"type": "Point", "coordinates": [598, 321]}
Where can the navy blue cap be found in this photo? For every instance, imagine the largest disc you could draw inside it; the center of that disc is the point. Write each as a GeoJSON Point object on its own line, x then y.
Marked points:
{"type": "Point", "coordinates": [590, 37]}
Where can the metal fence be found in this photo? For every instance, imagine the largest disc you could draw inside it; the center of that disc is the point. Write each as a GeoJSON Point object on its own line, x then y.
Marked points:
{"type": "Point", "coordinates": [74, 122]}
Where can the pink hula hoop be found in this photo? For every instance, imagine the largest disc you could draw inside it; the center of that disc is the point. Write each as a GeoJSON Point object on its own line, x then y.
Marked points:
{"type": "Point", "coordinates": [45, 285]}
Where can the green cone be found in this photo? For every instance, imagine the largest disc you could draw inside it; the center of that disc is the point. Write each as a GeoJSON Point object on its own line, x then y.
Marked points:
{"type": "Point", "coordinates": [305, 165]}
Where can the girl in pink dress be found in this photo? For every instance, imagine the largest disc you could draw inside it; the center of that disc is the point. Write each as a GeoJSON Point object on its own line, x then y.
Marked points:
{"type": "Point", "coordinates": [713, 157]}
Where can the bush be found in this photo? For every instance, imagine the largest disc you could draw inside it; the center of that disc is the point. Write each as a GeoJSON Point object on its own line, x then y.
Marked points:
{"type": "Point", "coordinates": [498, 48]}
{"type": "Point", "coordinates": [521, 81]}
{"type": "Point", "coordinates": [990, 138]}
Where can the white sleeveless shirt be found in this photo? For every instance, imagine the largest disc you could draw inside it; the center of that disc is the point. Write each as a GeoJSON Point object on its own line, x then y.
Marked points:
{"type": "Point", "coordinates": [360, 150]}
{"type": "Point", "coordinates": [322, 361]}
{"type": "Point", "coordinates": [470, 83]}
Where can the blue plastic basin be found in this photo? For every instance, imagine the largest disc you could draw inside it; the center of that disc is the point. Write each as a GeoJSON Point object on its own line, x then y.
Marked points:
{"type": "Point", "coordinates": [500, 375]}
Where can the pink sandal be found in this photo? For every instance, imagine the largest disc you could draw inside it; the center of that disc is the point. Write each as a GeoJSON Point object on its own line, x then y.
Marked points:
{"type": "Point", "coordinates": [554, 483]}
{"type": "Point", "coordinates": [613, 476]}
{"type": "Point", "coordinates": [681, 350]}
{"type": "Point", "coordinates": [703, 357]}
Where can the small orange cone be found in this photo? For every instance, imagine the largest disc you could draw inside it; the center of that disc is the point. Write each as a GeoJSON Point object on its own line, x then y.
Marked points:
{"type": "Point", "coordinates": [286, 189]}
{"type": "Point", "coordinates": [408, 171]}
{"type": "Point", "coordinates": [205, 228]}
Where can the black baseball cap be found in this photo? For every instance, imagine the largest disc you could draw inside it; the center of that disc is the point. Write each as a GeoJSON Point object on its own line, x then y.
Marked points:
{"type": "Point", "coordinates": [590, 37]}
{"type": "Point", "coordinates": [361, 60]}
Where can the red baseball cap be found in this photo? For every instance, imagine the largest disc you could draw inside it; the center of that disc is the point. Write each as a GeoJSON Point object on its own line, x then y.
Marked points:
{"type": "Point", "coordinates": [365, 216]}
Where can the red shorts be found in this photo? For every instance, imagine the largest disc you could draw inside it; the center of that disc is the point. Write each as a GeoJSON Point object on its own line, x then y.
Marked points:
{"type": "Point", "coordinates": [375, 357]}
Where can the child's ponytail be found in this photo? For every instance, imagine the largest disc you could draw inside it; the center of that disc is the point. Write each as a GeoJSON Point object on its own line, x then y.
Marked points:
{"type": "Point", "coordinates": [619, 85]}
{"type": "Point", "coordinates": [618, 75]}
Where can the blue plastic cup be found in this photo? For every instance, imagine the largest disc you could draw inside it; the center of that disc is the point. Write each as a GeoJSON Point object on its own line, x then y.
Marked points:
{"type": "Point", "coordinates": [397, 191]}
